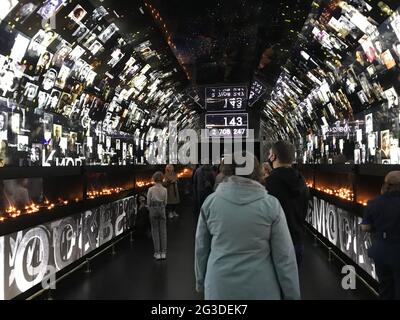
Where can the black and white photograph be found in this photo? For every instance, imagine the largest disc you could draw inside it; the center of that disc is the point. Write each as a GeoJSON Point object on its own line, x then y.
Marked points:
{"type": "Point", "coordinates": [96, 47]}
{"type": "Point", "coordinates": [6, 7]}
{"type": "Point", "coordinates": [47, 128]}
{"type": "Point", "coordinates": [49, 8]}
{"type": "Point", "coordinates": [396, 25]}
{"type": "Point", "coordinates": [3, 125]}
{"type": "Point", "coordinates": [78, 66]}
{"type": "Point", "coordinates": [49, 79]}
{"type": "Point", "coordinates": [116, 56]}
{"type": "Point", "coordinates": [396, 50]}
{"type": "Point", "coordinates": [90, 38]}
{"type": "Point", "coordinates": [124, 151]}
{"type": "Point", "coordinates": [363, 97]}
{"type": "Point", "coordinates": [42, 101]}
{"type": "Point", "coordinates": [36, 47]}
{"type": "Point", "coordinates": [72, 146]}
{"type": "Point", "coordinates": [57, 135]}
{"type": "Point", "coordinates": [78, 13]}
{"type": "Point", "coordinates": [62, 77]}
{"type": "Point", "coordinates": [53, 100]}
{"type": "Point", "coordinates": [61, 54]}
{"type": "Point", "coordinates": [23, 143]}
{"type": "Point", "coordinates": [385, 144]}
{"type": "Point", "coordinates": [371, 70]}
{"type": "Point", "coordinates": [15, 123]}
{"type": "Point", "coordinates": [369, 123]}
{"type": "Point", "coordinates": [31, 91]}
{"type": "Point", "coordinates": [117, 144]}
{"type": "Point", "coordinates": [9, 82]}
{"type": "Point", "coordinates": [40, 42]}
{"type": "Point", "coordinates": [80, 32]}
{"type": "Point", "coordinates": [99, 13]}
{"type": "Point", "coordinates": [65, 102]}
{"type": "Point", "coordinates": [392, 98]}
{"type": "Point", "coordinates": [20, 47]}
{"type": "Point", "coordinates": [25, 11]}
{"type": "Point", "coordinates": [76, 53]}
{"type": "Point", "coordinates": [44, 62]}
{"type": "Point", "coordinates": [372, 142]}
{"type": "Point", "coordinates": [36, 154]}
{"type": "Point", "coordinates": [64, 144]}
{"type": "Point", "coordinates": [108, 33]}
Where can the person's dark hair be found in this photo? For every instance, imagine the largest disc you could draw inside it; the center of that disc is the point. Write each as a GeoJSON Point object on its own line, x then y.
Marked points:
{"type": "Point", "coordinates": [158, 177]}
{"type": "Point", "coordinates": [141, 195]}
{"type": "Point", "coordinates": [78, 12]}
{"type": "Point", "coordinates": [230, 166]}
{"type": "Point", "coordinates": [285, 151]}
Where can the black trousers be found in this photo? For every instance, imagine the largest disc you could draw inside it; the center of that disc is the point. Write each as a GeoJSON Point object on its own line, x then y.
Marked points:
{"type": "Point", "coordinates": [389, 281]}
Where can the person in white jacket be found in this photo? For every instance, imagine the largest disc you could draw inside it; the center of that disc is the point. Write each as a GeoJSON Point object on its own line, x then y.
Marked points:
{"type": "Point", "coordinates": [157, 201]}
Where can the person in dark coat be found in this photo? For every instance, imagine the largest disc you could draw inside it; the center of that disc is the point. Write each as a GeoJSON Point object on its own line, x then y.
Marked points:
{"type": "Point", "coordinates": [289, 187]}
{"type": "Point", "coordinates": [382, 219]}
{"type": "Point", "coordinates": [194, 189]}
{"type": "Point", "coordinates": [142, 222]}
{"type": "Point", "coordinates": [203, 181]}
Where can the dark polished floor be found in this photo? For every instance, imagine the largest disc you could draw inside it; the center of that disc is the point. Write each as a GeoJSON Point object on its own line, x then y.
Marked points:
{"type": "Point", "coordinates": [132, 273]}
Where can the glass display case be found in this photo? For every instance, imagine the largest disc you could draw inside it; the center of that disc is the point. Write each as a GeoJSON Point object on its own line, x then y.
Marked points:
{"type": "Point", "coordinates": [68, 213]}
{"type": "Point", "coordinates": [337, 203]}
{"type": "Point", "coordinates": [335, 180]}
{"type": "Point", "coordinates": [369, 180]}
{"type": "Point", "coordinates": [308, 174]}
{"type": "Point", "coordinates": [352, 183]}
{"type": "Point", "coordinates": [22, 193]}
{"type": "Point", "coordinates": [100, 184]}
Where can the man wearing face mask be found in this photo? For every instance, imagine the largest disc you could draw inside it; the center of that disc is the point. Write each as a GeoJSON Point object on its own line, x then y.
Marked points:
{"type": "Point", "coordinates": [289, 187]}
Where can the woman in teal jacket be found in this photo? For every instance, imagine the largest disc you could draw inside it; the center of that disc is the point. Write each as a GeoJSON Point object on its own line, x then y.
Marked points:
{"type": "Point", "coordinates": [243, 245]}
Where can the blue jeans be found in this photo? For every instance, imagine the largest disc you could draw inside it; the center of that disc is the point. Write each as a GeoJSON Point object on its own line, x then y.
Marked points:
{"type": "Point", "coordinates": [158, 226]}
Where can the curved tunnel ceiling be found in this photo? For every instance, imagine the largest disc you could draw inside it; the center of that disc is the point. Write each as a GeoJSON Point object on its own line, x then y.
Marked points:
{"type": "Point", "coordinates": [163, 52]}
{"type": "Point", "coordinates": [148, 71]}
{"type": "Point", "coordinates": [337, 69]}
{"type": "Point", "coordinates": [131, 74]}
{"type": "Point", "coordinates": [228, 41]}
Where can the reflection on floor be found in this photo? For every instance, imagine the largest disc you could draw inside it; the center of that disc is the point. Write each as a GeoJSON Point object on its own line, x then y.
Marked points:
{"type": "Point", "coordinates": [133, 274]}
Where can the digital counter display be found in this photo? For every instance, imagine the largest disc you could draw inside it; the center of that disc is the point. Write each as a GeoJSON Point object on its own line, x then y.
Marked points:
{"type": "Point", "coordinates": [229, 99]}
{"type": "Point", "coordinates": [227, 125]}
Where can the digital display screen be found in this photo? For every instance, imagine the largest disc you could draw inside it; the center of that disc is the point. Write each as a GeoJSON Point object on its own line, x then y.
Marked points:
{"type": "Point", "coordinates": [227, 125]}
{"type": "Point", "coordinates": [220, 99]}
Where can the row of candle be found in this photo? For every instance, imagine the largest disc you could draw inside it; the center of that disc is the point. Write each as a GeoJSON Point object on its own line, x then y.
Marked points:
{"type": "Point", "coordinates": [32, 208]}
{"type": "Point", "coordinates": [343, 193]}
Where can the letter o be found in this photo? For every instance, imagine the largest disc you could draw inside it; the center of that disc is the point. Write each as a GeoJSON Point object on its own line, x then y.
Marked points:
{"type": "Point", "coordinates": [37, 233]}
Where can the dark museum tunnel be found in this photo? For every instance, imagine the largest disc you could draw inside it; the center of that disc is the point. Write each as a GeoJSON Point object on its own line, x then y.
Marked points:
{"type": "Point", "coordinates": [98, 95]}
